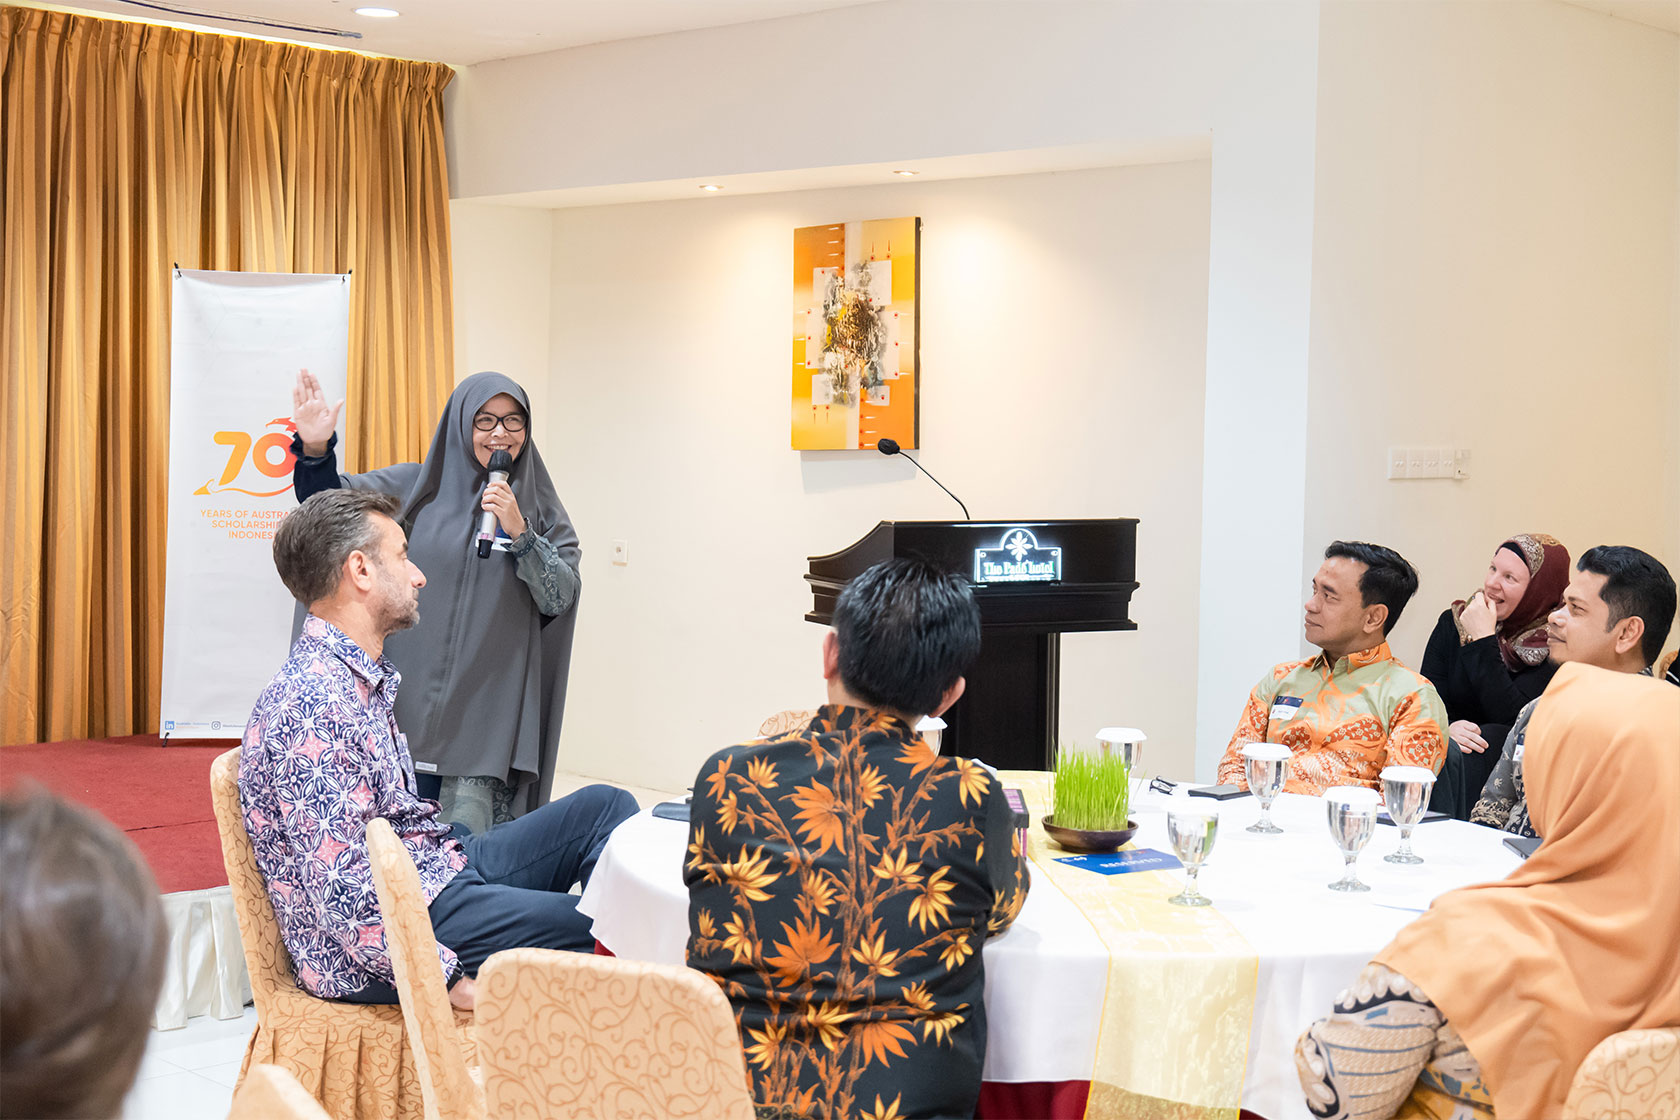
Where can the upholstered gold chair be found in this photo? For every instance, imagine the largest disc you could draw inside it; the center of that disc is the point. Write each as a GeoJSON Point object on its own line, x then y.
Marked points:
{"type": "Point", "coordinates": [568, 1034]}
{"type": "Point", "coordinates": [351, 1057]}
{"type": "Point", "coordinates": [270, 1093]}
{"type": "Point", "coordinates": [794, 719]}
{"type": "Point", "coordinates": [440, 1051]}
{"type": "Point", "coordinates": [1629, 1075]}
{"type": "Point", "coordinates": [1664, 663]}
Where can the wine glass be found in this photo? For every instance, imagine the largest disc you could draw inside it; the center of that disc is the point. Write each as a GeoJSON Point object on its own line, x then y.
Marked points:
{"type": "Point", "coordinates": [1266, 766]}
{"type": "Point", "coordinates": [1406, 792]}
{"type": "Point", "coordinates": [1127, 742]}
{"type": "Point", "coordinates": [1192, 832]}
{"type": "Point", "coordinates": [1353, 818]}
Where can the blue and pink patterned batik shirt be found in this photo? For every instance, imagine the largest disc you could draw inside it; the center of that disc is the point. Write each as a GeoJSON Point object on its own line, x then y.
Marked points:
{"type": "Point", "coordinates": [322, 757]}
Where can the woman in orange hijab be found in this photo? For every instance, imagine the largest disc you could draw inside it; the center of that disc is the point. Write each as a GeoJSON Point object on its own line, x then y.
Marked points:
{"type": "Point", "coordinates": [1496, 995]}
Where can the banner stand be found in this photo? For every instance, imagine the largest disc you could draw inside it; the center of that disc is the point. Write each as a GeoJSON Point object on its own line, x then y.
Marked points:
{"type": "Point", "coordinates": [237, 342]}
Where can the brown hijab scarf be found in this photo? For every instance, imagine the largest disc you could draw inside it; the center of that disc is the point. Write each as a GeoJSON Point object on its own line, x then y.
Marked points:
{"type": "Point", "coordinates": [1579, 942]}
{"type": "Point", "coordinates": [1522, 634]}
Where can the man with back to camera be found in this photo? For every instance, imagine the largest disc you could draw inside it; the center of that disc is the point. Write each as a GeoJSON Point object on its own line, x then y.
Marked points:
{"type": "Point", "coordinates": [1354, 708]}
{"type": "Point", "coordinates": [322, 756]}
{"type": "Point", "coordinates": [843, 876]}
{"type": "Point", "coordinates": [1615, 615]}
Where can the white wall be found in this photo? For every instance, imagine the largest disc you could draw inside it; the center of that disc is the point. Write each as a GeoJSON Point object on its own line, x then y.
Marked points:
{"type": "Point", "coordinates": [1064, 320]}
{"type": "Point", "coordinates": [1473, 211]}
{"type": "Point", "coordinates": [976, 76]}
{"type": "Point", "coordinates": [503, 263]}
{"type": "Point", "coordinates": [1494, 267]}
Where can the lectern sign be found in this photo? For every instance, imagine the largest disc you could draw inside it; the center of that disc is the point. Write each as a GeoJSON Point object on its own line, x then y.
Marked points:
{"type": "Point", "coordinates": [1018, 558]}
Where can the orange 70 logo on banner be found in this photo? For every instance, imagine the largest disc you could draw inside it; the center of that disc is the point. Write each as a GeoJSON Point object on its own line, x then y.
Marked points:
{"type": "Point", "coordinates": [262, 451]}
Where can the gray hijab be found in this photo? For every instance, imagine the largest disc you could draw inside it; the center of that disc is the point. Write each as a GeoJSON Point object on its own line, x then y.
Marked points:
{"type": "Point", "coordinates": [484, 673]}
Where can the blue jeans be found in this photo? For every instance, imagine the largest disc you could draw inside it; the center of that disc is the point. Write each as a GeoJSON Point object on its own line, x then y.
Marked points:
{"type": "Point", "coordinates": [513, 892]}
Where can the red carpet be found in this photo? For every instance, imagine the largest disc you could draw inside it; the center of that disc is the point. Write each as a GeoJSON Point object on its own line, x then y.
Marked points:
{"type": "Point", "coordinates": [159, 795]}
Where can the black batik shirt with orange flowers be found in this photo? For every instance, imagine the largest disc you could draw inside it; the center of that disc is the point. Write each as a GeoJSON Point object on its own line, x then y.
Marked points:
{"type": "Point", "coordinates": [842, 880]}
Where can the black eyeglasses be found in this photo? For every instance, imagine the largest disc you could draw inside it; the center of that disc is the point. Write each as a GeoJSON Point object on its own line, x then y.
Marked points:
{"type": "Point", "coordinates": [487, 421]}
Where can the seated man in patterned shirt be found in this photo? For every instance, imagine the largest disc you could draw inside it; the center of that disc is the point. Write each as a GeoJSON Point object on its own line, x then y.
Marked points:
{"type": "Point", "coordinates": [322, 757]}
{"type": "Point", "coordinates": [1353, 709]}
{"type": "Point", "coordinates": [843, 877]}
{"type": "Point", "coordinates": [1616, 612]}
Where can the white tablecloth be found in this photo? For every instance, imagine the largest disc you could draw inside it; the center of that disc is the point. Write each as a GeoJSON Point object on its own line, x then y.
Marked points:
{"type": "Point", "coordinates": [204, 970]}
{"type": "Point", "coordinates": [1045, 978]}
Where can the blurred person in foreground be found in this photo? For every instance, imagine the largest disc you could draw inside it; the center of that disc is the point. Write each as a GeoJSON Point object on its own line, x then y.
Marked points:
{"type": "Point", "coordinates": [82, 950]}
{"type": "Point", "coordinates": [1487, 1004]}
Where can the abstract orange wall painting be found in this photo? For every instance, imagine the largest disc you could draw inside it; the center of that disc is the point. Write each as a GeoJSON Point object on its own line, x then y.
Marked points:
{"type": "Point", "coordinates": [856, 334]}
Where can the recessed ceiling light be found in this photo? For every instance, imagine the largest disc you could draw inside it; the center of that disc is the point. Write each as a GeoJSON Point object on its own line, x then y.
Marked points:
{"type": "Point", "coordinates": [710, 187]}
{"type": "Point", "coordinates": [907, 174]}
{"type": "Point", "coordinates": [378, 13]}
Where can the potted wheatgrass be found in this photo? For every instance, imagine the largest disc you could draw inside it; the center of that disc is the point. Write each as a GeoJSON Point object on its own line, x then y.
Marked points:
{"type": "Point", "coordinates": [1092, 798]}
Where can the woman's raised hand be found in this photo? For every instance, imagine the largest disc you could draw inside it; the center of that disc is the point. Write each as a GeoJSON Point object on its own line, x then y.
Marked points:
{"type": "Point", "coordinates": [315, 421]}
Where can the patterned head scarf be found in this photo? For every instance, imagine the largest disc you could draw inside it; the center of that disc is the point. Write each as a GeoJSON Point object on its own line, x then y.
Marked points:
{"type": "Point", "coordinates": [1522, 633]}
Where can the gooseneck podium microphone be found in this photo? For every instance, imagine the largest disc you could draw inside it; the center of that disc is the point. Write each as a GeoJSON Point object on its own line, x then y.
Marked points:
{"type": "Point", "coordinates": [890, 447]}
{"type": "Point", "coordinates": [501, 465]}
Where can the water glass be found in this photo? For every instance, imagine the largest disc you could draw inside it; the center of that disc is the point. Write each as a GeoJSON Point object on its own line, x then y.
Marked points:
{"type": "Point", "coordinates": [1406, 792]}
{"type": "Point", "coordinates": [1192, 832]}
{"type": "Point", "coordinates": [1352, 812]}
{"type": "Point", "coordinates": [1266, 766]}
{"type": "Point", "coordinates": [1127, 742]}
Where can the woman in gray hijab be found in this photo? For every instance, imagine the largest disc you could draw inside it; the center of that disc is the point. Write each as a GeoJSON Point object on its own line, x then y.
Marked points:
{"type": "Point", "coordinates": [484, 672]}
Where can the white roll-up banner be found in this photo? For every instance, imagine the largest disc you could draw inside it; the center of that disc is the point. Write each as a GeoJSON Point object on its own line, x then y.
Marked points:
{"type": "Point", "coordinates": [237, 342]}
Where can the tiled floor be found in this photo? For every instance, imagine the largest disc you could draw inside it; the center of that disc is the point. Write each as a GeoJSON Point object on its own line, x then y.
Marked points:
{"type": "Point", "coordinates": [188, 1074]}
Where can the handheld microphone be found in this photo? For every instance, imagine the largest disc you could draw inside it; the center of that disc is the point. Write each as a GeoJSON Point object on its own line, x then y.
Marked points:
{"type": "Point", "coordinates": [890, 447]}
{"type": "Point", "coordinates": [501, 465]}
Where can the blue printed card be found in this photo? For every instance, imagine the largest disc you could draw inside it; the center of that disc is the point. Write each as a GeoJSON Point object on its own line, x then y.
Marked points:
{"type": "Point", "coordinates": [1120, 863]}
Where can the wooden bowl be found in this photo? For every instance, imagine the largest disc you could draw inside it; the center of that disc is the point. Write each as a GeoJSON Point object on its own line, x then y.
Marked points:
{"type": "Point", "coordinates": [1088, 840]}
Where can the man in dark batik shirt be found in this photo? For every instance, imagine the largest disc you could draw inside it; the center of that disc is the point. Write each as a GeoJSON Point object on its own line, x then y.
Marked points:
{"type": "Point", "coordinates": [843, 877]}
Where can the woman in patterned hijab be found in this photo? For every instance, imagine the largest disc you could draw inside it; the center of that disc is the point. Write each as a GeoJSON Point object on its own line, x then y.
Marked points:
{"type": "Point", "coordinates": [1487, 658]}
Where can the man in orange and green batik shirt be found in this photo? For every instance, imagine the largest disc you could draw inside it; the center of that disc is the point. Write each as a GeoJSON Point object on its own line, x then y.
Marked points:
{"type": "Point", "coordinates": [843, 877]}
{"type": "Point", "coordinates": [1353, 709]}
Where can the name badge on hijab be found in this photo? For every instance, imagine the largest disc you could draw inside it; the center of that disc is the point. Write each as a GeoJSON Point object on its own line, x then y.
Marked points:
{"type": "Point", "coordinates": [1285, 708]}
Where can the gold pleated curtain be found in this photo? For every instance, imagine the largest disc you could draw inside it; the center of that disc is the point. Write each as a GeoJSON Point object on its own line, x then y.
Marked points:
{"type": "Point", "coordinates": [124, 148]}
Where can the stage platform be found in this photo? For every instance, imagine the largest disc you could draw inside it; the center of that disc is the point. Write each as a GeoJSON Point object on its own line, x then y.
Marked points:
{"type": "Point", "coordinates": [160, 797]}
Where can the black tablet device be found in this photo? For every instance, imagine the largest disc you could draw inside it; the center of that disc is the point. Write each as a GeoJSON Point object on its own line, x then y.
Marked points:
{"type": "Point", "coordinates": [1218, 793]}
{"type": "Point", "coordinates": [1428, 815]}
{"type": "Point", "coordinates": [671, 810]}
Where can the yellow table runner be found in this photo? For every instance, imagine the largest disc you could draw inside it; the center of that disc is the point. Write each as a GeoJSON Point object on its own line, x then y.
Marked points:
{"type": "Point", "coordinates": [1181, 984]}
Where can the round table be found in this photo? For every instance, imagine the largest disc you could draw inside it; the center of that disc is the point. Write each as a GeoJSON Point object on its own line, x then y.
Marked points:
{"type": "Point", "coordinates": [1047, 977]}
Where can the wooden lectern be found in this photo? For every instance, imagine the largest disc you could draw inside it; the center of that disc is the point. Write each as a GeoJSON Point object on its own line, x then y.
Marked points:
{"type": "Point", "coordinates": [1034, 581]}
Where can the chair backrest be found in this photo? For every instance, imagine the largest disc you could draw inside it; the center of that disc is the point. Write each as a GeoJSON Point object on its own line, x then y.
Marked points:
{"type": "Point", "coordinates": [1664, 663]}
{"type": "Point", "coordinates": [445, 1084]}
{"type": "Point", "coordinates": [266, 958]}
{"type": "Point", "coordinates": [794, 719]}
{"type": "Point", "coordinates": [270, 1093]}
{"type": "Point", "coordinates": [1634, 1073]}
{"type": "Point", "coordinates": [570, 1034]}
